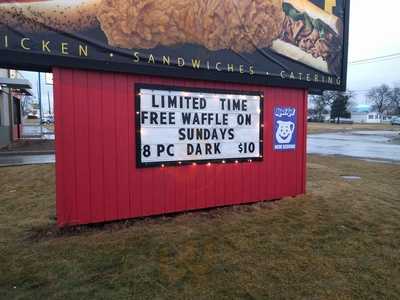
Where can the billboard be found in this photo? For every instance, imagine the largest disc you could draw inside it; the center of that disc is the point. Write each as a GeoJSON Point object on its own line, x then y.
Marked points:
{"type": "Point", "coordinates": [291, 43]}
{"type": "Point", "coordinates": [178, 126]}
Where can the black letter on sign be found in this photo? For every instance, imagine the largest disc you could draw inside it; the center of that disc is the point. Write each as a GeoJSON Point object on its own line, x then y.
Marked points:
{"type": "Point", "coordinates": [145, 115]}
{"type": "Point", "coordinates": [160, 149]}
{"type": "Point", "coordinates": [217, 149]}
{"type": "Point", "coordinates": [190, 149]}
{"type": "Point", "coordinates": [182, 135]}
{"type": "Point", "coordinates": [231, 133]}
{"type": "Point", "coordinates": [146, 151]}
{"type": "Point", "coordinates": [153, 101]}
{"type": "Point", "coordinates": [248, 119]}
{"type": "Point", "coordinates": [169, 150]}
{"type": "Point", "coordinates": [240, 119]}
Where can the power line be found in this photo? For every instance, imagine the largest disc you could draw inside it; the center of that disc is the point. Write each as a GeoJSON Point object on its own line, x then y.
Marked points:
{"type": "Point", "coordinates": [376, 59]}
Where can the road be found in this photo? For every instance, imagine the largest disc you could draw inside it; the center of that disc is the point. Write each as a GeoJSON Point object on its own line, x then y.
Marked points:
{"type": "Point", "coordinates": [373, 145]}
{"type": "Point", "coordinates": [32, 131]}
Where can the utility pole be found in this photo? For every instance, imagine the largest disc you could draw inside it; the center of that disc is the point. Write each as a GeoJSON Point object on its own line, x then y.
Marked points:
{"type": "Point", "coordinates": [48, 101]}
{"type": "Point", "coordinates": [40, 104]}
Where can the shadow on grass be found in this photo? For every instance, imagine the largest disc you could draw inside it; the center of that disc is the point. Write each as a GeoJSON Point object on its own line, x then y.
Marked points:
{"type": "Point", "coordinates": [51, 231]}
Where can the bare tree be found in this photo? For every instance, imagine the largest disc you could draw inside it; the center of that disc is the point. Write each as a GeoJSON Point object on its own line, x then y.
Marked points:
{"type": "Point", "coordinates": [395, 100]}
{"type": "Point", "coordinates": [321, 102]}
{"type": "Point", "coordinates": [380, 97]}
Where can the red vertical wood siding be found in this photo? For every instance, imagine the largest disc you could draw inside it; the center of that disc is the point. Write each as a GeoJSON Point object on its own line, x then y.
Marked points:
{"type": "Point", "coordinates": [97, 179]}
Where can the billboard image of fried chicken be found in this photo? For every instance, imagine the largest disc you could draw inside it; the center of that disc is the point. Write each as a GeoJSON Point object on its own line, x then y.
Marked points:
{"type": "Point", "coordinates": [298, 30]}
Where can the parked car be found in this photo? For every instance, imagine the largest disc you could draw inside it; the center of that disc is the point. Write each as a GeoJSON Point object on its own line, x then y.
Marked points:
{"type": "Point", "coordinates": [32, 117]}
{"type": "Point", "coordinates": [315, 119]}
{"type": "Point", "coordinates": [342, 121]}
{"type": "Point", "coordinates": [395, 121]}
{"type": "Point", "coordinates": [48, 120]}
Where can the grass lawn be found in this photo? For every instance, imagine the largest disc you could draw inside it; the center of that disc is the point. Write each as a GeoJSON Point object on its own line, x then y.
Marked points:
{"type": "Point", "coordinates": [327, 127]}
{"type": "Point", "coordinates": [340, 241]}
{"type": "Point", "coordinates": [30, 145]}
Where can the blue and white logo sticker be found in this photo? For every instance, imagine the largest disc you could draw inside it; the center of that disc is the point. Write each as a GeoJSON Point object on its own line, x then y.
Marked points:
{"type": "Point", "coordinates": [285, 123]}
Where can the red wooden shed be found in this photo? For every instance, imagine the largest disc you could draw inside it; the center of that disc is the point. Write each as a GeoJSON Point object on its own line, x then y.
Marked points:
{"type": "Point", "coordinates": [97, 176]}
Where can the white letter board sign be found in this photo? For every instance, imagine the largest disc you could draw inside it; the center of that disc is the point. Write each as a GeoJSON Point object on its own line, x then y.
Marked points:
{"type": "Point", "coordinates": [177, 126]}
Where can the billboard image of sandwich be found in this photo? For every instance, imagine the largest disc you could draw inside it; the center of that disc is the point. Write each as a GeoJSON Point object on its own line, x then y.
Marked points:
{"type": "Point", "coordinates": [289, 41]}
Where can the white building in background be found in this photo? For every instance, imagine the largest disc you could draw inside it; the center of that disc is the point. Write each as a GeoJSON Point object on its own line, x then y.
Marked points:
{"type": "Point", "coordinates": [13, 87]}
{"type": "Point", "coordinates": [363, 113]}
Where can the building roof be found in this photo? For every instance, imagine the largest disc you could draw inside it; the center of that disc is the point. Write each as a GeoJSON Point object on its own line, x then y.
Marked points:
{"type": "Point", "coordinates": [22, 86]}
{"type": "Point", "coordinates": [362, 108]}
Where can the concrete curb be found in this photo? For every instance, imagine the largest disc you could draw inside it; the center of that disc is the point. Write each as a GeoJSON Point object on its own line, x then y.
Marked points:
{"type": "Point", "coordinates": [8, 153]}
{"type": "Point", "coordinates": [24, 164]}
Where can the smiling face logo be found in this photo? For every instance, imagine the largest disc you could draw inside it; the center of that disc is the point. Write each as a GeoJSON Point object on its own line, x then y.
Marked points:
{"type": "Point", "coordinates": [284, 132]}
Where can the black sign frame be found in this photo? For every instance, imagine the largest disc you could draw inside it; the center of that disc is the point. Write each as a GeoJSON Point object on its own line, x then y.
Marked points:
{"type": "Point", "coordinates": [140, 164]}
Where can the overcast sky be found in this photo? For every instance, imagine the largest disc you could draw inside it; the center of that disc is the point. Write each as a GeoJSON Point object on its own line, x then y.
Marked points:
{"type": "Point", "coordinates": [374, 32]}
